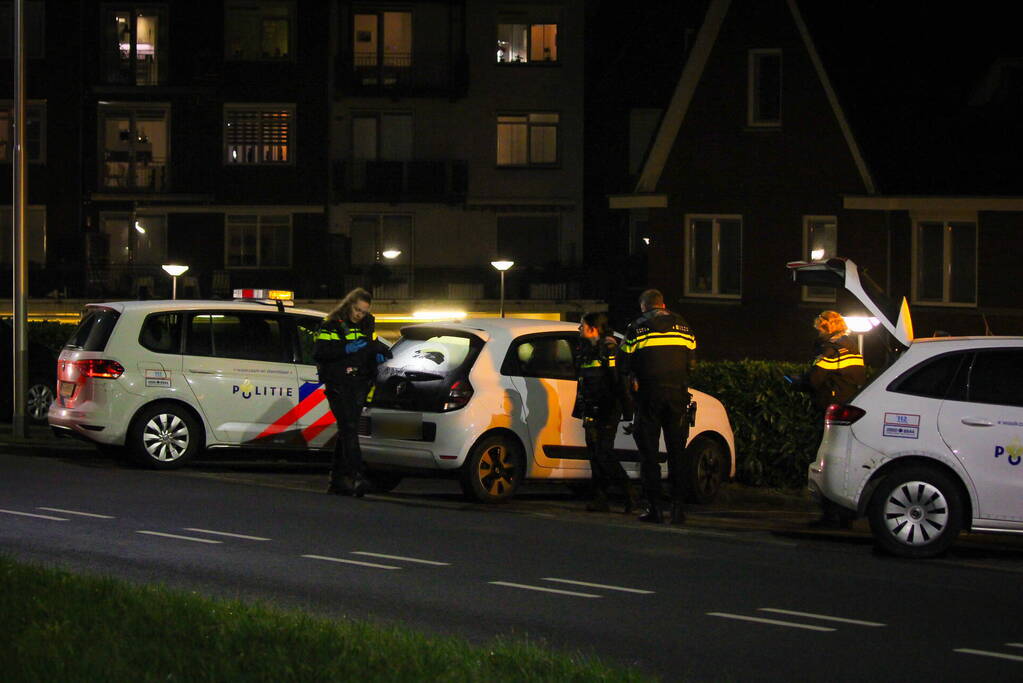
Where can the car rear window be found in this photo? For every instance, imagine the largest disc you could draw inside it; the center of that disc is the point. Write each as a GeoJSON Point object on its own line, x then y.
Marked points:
{"type": "Point", "coordinates": [931, 378]}
{"type": "Point", "coordinates": [424, 363]}
{"type": "Point", "coordinates": [93, 332]}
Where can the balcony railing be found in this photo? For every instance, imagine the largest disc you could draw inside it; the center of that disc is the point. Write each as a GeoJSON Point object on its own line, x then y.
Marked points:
{"type": "Point", "coordinates": [415, 74]}
{"type": "Point", "coordinates": [142, 176]}
{"type": "Point", "coordinates": [410, 181]}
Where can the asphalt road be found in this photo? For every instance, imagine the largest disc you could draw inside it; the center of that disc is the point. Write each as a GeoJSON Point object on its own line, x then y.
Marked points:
{"type": "Point", "coordinates": [703, 602]}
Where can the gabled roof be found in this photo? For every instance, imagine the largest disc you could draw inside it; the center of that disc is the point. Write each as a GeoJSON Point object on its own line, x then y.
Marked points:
{"type": "Point", "coordinates": [693, 72]}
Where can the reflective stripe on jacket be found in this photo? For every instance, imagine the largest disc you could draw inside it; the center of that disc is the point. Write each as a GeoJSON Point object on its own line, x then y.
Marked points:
{"type": "Point", "coordinates": [659, 350]}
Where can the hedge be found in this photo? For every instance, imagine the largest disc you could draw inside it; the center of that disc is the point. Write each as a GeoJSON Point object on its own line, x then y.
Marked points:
{"type": "Point", "coordinates": [777, 430]}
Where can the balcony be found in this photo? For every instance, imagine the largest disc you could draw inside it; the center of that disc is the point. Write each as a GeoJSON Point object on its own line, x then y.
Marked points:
{"type": "Point", "coordinates": [134, 176]}
{"type": "Point", "coordinates": [400, 181]}
{"type": "Point", "coordinates": [402, 75]}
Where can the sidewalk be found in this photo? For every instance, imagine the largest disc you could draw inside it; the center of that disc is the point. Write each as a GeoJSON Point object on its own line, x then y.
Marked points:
{"type": "Point", "coordinates": [39, 439]}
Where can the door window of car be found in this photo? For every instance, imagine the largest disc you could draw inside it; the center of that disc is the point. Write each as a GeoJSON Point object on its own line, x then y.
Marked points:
{"type": "Point", "coordinates": [246, 336]}
{"type": "Point", "coordinates": [997, 377]}
{"type": "Point", "coordinates": [547, 357]}
{"type": "Point", "coordinates": [161, 333]}
{"type": "Point", "coordinates": [306, 327]}
{"type": "Point", "coordinates": [931, 378]}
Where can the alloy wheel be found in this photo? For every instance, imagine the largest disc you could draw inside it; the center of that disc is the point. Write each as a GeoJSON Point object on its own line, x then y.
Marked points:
{"type": "Point", "coordinates": [38, 401]}
{"type": "Point", "coordinates": [916, 513]}
{"type": "Point", "coordinates": [497, 470]}
{"type": "Point", "coordinates": [165, 437]}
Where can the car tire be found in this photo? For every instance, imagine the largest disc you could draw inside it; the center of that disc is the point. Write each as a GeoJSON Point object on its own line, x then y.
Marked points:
{"type": "Point", "coordinates": [916, 512]}
{"type": "Point", "coordinates": [165, 436]}
{"type": "Point", "coordinates": [493, 470]}
{"type": "Point", "coordinates": [708, 468]}
{"type": "Point", "coordinates": [383, 482]}
{"type": "Point", "coordinates": [38, 398]}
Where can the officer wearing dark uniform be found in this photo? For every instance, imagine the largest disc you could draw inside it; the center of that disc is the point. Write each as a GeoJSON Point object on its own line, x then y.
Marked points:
{"type": "Point", "coordinates": [657, 355]}
{"type": "Point", "coordinates": [346, 354]}
{"type": "Point", "coordinates": [836, 376]}
{"type": "Point", "coordinates": [600, 400]}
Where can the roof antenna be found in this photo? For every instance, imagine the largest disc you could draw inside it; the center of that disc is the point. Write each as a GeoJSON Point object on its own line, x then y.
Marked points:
{"type": "Point", "coordinates": [987, 328]}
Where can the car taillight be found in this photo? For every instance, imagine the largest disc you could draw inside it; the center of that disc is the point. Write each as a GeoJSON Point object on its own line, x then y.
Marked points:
{"type": "Point", "coordinates": [841, 414]}
{"type": "Point", "coordinates": [458, 394]}
{"type": "Point", "coordinates": [99, 368]}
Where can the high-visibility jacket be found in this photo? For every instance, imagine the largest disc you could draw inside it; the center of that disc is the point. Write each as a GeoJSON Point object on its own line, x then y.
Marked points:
{"type": "Point", "coordinates": [600, 394]}
{"type": "Point", "coordinates": [659, 350]}
{"type": "Point", "coordinates": [837, 373]}
{"type": "Point", "coordinates": [333, 361]}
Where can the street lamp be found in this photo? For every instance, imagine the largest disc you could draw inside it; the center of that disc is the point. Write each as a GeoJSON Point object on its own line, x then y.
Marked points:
{"type": "Point", "coordinates": [391, 253]}
{"type": "Point", "coordinates": [174, 271]}
{"type": "Point", "coordinates": [502, 266]}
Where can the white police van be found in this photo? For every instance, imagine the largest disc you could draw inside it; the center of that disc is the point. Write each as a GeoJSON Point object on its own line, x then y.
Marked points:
{"type": "Point", "coordinates": [934, 443]}
{"type": "Point", "coordinates": [166, 379]}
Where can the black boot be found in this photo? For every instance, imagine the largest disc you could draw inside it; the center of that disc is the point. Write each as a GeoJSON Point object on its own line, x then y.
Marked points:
{"type": "Point", "coordinates": [360, 486]}
{"type": "Point", "coordinates": [599, 502]}
{"type": "Point", "coordinates": [678, 512]}
{"type": "Point", "coordinates": [631, 499]}
{"type": "Point", "coordinates": [652, 515]}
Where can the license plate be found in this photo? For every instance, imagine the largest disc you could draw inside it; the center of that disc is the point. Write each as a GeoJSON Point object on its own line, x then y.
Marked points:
{"type": "Point", "coordinates": [67, 389]}
{"type": "Point", "coordinates": [398, 426]}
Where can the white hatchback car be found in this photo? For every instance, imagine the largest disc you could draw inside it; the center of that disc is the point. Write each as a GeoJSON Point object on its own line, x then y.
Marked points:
{"type": "Point", "coordinates": [167, 379]}
{"type": "Point", "coordinates": [490, 401]}
{"type": "Point", "coordinates": [934, 443]}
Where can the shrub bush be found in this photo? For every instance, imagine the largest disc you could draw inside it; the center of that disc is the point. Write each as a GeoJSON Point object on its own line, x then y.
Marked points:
{"type": "Point", "coordinates": [777, 430]}
{"type": "Point", "coordinates": [52, 335]}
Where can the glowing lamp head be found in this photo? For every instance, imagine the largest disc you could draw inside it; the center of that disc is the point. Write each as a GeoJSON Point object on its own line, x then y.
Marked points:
{"type": "Point", "coordinates": [502, 265]}
{"type": "Point", "coordinates": [391, 253]}
{"type": "Point", "coordinates": [175, 270]}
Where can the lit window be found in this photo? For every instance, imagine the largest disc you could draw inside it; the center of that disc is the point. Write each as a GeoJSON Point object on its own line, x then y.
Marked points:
{"type": "Point", "coordinates": [382, 38]}
{"type": "Point", "coordinates": [257, 241]}
{"type": "Point", "coordinates": [135, 46]}
{"type": "Point", "coordinates": [764, 88]}
{"type": "Point", "coordinates": [714, 256]}
{"type": "Point", "coordinates": [35, 141]}
{"type": "Point", "coordinates": [257, 134]}
{"type": "Point", "coordinates": [945, 262]}
{"type": "Point", "coordinates": [135, 240]}
{"type": "Point", "coordinates": [134, 147]}
{"type": "Point", "coordinates": [527, 139]}
{"type": "Point", "coordinates": [525, 43]}
{"type": "Point", "coordinates": [258, 31]}
{"type": "Point", "coordinates": [820, 241]}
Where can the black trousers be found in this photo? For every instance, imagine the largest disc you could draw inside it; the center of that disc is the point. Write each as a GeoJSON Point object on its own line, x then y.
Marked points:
{"type": "Point", "coordinates": [346, 399]}
{"type": "Point", "coordinates": [662, 409]}
{"type": "Point", "coordinates": [605, 467]}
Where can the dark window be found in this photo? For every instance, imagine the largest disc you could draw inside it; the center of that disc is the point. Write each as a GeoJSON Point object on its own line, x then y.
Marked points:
{"type": "Point", "coordinates": [162, 333]}
{"type": "Point", "coordinates": [94, 330]}
{"type": "Point", "coordinates": [306, 328]}
{"type": "Point", "coordinates": [247, 336]}
{"type": "Point", "coordinates": [258, 31]}
{"type": "Point", "coordinates": [931, 378]}
{"type": "Point", "coordinates": [997, 377]}
{"type": "Point", "coordinates": [765, 88]}
{"type": "Point", "coordinates": [547, 357]}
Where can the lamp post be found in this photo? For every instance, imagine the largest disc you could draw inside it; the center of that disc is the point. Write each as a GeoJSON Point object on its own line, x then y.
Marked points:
{"type": "Point", "coordinates": [502, 266]}
{"type": "Point", "coordinates": [174, 271]}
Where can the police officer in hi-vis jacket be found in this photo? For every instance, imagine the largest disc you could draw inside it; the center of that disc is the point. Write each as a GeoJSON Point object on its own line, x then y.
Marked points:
{"type": "Point", "coordinates": [657, 355]}
{"type": "Point", "coordinates": [347, 352]}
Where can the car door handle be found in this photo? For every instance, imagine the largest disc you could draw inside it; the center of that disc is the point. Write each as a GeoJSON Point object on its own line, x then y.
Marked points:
{"type": "Point", "coordinates": [204, 372]}
{"type": "Point", "coordinates": [977, 422]}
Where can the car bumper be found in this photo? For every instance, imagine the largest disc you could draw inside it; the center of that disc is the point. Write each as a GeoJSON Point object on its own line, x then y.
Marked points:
{"type": "Point", "coordinates": [102, 421]}
{"type": "Point", "coordinates": [439, 444]}
{"type": "Point", "coordinates": [828, 475]}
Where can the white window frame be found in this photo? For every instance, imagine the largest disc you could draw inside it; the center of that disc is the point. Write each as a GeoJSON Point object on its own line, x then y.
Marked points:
{"type": "Point", "coordinates": [529, 138]}
{"type": "Point", "coordinates": [263, 4]}
{"type": "Point", "coordinates": [807, 220]}
{"type": "Point", "coordinates": [751, 88]}
{"type": "Point", "coordinates": [260, 214]}
{"type": "Point", "coordinates": [269, 107]}
{"type": "Point", "coordinates": [32, 106]}
{"type": "Point", "coordinates": [946, 266]}
{"type": "Point", "coordinates": [715, 292]}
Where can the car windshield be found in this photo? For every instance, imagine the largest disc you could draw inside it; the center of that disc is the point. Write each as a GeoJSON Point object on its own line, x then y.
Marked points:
{"type": "Point", "coordinates": [94, 330]}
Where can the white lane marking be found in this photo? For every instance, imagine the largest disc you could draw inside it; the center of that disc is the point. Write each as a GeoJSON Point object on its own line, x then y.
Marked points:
{"type": "Point", "coordinates": [825, 617]}
{"type": "Point", "coordinates": [226, 533]}
{"type": "Point", "coordinates": [985, 653]}
{"type": "Point", "coordinates": [30, 514]}
{"type": "Point", "coordinates": [180, 538]}
{"type": "Point", "coordinates": [76, 512]}
{"type": "Point", "coordinates": [599, 585]}
{"type": "Point", "coordinates": [544, 589]}
{"type": "Point", "coordinates": [773, 622]}
{"type": "Point", "coordinates": [344, 561]}
{"type": "Point", "coordinates": [400, 558]}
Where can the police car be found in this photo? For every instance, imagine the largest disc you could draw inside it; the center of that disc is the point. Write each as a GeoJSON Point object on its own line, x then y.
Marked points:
{"type": "Point", "coordinates": [167, 379]}
{"type": "Point", "coordinates": [490, 400]}
{"type": "Point", "coordinates": [934, 443]}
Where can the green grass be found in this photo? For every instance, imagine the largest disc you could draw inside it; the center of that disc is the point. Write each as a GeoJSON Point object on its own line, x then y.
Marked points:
{"type": "Point", "coordinates": [60, 626]}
